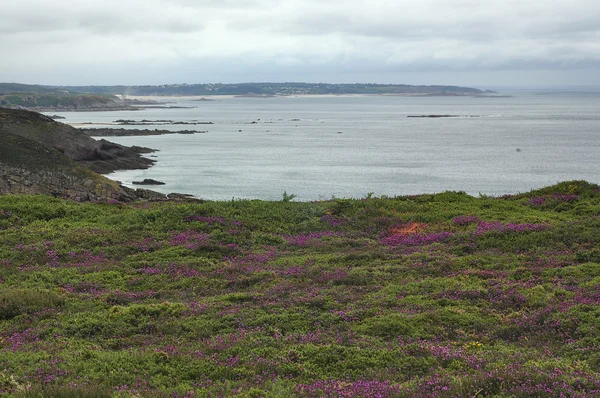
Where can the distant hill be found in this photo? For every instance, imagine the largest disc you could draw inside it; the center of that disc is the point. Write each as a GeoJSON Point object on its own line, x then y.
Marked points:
{"type": "Point", "coordinates": [42, 101]}
{"type": "Point", "coordinates": [7, 88]}
{"type": "Point", "coordinates": [291, 88]}
{"type": "Point", "coordinates": [27, 166]}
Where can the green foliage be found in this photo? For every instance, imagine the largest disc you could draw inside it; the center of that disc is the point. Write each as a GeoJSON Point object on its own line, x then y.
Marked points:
{"type": "Point", "coordinates": [14, 302]}
{"type": "Point", "coordinates": [64, 392]}
{"type": "Point", "coordinates": [287, 198]}
{"type": "Point", "coordinates": [392, 326]}
{"type": "Point", "coordinates": [339, 298]}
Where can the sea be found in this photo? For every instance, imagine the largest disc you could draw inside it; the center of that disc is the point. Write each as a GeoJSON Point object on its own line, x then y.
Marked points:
{"type": "Point", "coordinates": [324, 147]}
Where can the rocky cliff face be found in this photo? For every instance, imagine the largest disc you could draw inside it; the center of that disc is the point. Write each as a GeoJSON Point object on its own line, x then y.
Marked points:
{"type": "Point", "coordinates": [14, 180]}
{"type": "Point", "coordinates": [99, 156]}
{"type": "Point", "coordinates": [40, 156]}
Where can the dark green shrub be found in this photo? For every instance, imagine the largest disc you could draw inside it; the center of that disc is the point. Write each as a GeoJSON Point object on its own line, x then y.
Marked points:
{"type": "Point", "coordinates": [14, 302]}
{"type": "Point", "coordinates": [51, 391]}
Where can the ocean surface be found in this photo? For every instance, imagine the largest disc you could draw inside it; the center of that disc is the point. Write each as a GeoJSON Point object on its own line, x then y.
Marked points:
{"type": "Point", "coordinates": [340, 146]}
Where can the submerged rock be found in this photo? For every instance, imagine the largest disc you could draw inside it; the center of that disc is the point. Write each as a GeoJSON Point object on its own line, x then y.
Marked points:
{"type": "Point", "coordinates": [148, 181]}
{"type": "Point", "coordinates": [432, 116]}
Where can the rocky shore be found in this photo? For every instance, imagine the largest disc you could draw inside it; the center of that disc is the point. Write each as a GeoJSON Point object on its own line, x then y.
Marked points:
{"type": "Point", "coordinates": [41, 156]}
{"type": "Point", "coordinates": [148, 181]}
{"type": "Point", "coordinates": [146, 122]}
{"type": "Point", "coordinates": [75, 108]}
{"type": "Point", "coordinates": [121, 132]}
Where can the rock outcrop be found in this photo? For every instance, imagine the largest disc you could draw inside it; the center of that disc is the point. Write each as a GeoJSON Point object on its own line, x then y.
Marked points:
{"type": "Point", "coordinates": [148, 181]}
{"type": "Point", "coordinates": [41, 156]}
{"type": "Point", "coordinates": [100, 156]}
{"type": "Point", "coordinates": [15, 180]}
{"type": "Point", "coordinates": [121, 132]}
{"type": "Point", "coordinates": [26, 166]}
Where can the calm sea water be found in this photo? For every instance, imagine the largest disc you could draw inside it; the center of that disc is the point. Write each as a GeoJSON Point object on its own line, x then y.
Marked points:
{"type": "Point", "coordinates": [322, 147]}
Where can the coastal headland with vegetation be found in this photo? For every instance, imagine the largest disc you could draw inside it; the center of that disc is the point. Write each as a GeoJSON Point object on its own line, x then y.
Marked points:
{"type": "Point", "coordinates": [39, 155]}
{"type": "Point", "coordinates": [299, 199]}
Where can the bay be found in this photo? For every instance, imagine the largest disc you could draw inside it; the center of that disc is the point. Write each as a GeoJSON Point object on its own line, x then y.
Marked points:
{"type": "Point", "coordinates": [348, 146]}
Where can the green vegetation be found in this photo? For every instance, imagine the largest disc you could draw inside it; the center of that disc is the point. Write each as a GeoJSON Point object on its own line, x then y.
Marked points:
{"type": "Point", "coordinates": [441, 295]}
{"type": "Point", "coordinates": [27, 153]}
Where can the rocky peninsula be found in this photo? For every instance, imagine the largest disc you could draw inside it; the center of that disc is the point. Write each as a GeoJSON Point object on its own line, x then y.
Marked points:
{"type": "Point", "coordinates": [39, 155]}
{"type": "Point", "coordinates": [121, 132]}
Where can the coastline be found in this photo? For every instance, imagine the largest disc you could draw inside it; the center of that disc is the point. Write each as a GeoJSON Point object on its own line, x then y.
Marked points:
{"type": "Point", "coordinates": [210, 98]}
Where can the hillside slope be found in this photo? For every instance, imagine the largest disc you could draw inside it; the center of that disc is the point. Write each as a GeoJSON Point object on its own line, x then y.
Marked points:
{"type": "Point", "coordinates": [426, 296]}
{"type": "Point", "coordinates": [99, 156]}
{"type": "Point", "coordinates": [41, 156]}
{"type": "Point", "coordinates": [27, 166]}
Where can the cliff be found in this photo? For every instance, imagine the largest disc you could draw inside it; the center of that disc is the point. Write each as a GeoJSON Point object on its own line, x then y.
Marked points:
{"type": "Point", "coordinates": [26, 166]}
{"type": "Point", "coordinates": [41, 156]}
{"type": "Point", "coordinates": [100, 156]}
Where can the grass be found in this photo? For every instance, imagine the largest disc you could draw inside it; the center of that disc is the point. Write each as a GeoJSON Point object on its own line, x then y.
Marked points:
{"type": "Point", "coordinates": [442, 295]}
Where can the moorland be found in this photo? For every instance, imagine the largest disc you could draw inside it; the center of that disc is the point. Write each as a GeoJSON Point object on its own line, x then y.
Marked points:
{"type": "Point", "coordinates": [434, 295]}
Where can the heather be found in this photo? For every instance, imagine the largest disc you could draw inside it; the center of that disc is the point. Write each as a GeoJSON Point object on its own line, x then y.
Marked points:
{"type": "Point", "coordinates": [443, 295]}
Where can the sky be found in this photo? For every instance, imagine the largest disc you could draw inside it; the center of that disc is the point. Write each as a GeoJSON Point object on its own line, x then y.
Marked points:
{"type": "Point", "coordinates": [477, 43]}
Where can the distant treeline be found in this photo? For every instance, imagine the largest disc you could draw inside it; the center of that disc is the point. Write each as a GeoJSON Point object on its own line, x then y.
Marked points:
{"type": "Point", "coordinates": [245, 88]}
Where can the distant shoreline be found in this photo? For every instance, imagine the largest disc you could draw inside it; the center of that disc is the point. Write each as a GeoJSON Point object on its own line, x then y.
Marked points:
{"type": "Point", "coordinates": [212, 98]}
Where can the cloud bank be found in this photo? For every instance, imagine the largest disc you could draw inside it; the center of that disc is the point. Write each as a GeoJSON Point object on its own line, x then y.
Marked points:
{"type": "Point", "coordinates": [396, 41]}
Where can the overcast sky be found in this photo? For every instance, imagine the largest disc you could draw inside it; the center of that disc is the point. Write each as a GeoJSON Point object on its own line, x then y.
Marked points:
{"type": "Point", "coordinates": [481, 43]}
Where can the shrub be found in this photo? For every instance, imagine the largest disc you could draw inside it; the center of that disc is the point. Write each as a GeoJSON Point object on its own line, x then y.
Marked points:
{"type": "Point", "coordinates": [14, 302]}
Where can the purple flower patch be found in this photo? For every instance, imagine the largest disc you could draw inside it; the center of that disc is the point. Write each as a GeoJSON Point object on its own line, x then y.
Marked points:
{"type": "Point", "coordinates": [305, 239]}
{"type": "Point", "coordinates": [557, 197]}
{"type": "Point", "coordinates": [359, 388]}
{"type": "Point", "coordinates": [496, 226]}
{"type": "Point", "coordinates": [416, 239]}
{"type": "Point", "coordinates": [466, 220]}
{"type": "Point", "coordinates": [190, 239]}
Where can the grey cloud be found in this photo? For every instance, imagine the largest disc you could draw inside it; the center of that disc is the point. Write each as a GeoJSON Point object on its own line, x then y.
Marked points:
{"type": "Point", "coordinates": [294, 38]}
{"type": "Point", "coordinates": [96, 19]}
{"type": "Point", "coordinates": [228, 4]}
{"type": "Point", "coordinates": [405, 30]}
{"type": "Point", "coordinates": [459, 26]}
